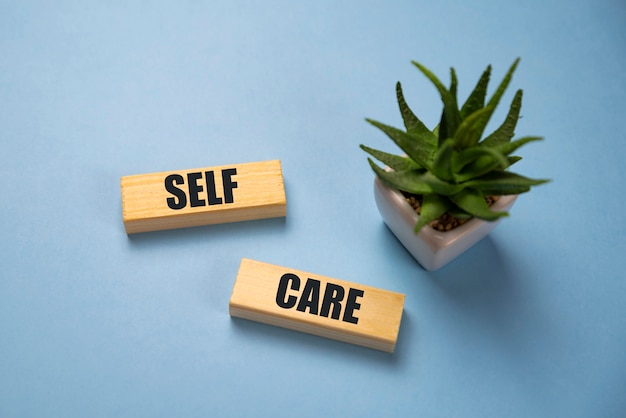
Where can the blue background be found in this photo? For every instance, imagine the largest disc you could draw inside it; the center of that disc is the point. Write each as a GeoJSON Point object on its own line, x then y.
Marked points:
{"type": "Point", "coordinates": [530, 322]}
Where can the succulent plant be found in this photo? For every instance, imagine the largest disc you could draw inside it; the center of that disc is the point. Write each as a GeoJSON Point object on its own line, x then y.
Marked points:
{"type": "Point", "coordinates": [452, 166]}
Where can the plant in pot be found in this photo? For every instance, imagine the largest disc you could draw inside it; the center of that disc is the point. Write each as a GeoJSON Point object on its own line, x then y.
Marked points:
{"type": "Point", "coordinates": [451, 186]}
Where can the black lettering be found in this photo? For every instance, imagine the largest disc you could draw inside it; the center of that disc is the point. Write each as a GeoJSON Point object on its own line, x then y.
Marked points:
{"type": "Point", "coordinates": [333, 295]}
{"type": "Point", "coordinates": [210, 185]}
{"type": "Point", "coordinates": [173, 203]}
{"type": "Point", "coordinates": [195, 189]}
{"type": "Point", "coordinates": [290, 302]}
{"type": "Point", "coordinates": [229, 185]}
{"type": "Point", "coordinates": [310, 297]}
{"type": "Point", "coordinates": [352, 305]}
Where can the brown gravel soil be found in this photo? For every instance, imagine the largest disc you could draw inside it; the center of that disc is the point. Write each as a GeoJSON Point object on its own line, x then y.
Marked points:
{"type": "Point", "coordinates": [445, 222]}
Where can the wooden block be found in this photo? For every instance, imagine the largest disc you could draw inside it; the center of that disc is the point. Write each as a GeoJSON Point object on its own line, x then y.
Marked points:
{"type": "Point", "coordinates": [317, 305]}
{"type": "Point", "coordinates": [203, 196]}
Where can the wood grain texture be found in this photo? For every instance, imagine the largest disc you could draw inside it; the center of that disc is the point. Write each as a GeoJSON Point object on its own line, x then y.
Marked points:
{"type": "Point", "coordinates": [256, 297]}
{"type": "Point", "coordinates": [257, 191]}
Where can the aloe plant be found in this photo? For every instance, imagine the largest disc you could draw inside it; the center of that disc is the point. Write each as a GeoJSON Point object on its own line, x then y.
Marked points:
{"type": "Point", "coordinates": [452, 166]}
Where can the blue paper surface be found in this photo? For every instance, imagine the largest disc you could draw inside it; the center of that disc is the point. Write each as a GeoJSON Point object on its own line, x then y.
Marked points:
{"type": "Point", "coordinates": [531, 322]}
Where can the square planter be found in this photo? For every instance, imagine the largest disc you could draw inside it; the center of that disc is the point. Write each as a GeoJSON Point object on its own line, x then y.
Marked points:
{"type": "Point", "coordinates": [431, 248]}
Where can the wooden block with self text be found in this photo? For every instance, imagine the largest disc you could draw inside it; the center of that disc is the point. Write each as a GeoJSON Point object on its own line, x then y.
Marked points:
{"type": "Point", "coordinates": [203, 196]}
{"type": "Point", "coordinates": [318, 305]}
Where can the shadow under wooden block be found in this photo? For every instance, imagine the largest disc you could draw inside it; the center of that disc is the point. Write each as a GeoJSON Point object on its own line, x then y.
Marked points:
{"type": "Point", "coordinates": [203, 196]}
{"type": "Point", "coordinates": [317, 305]}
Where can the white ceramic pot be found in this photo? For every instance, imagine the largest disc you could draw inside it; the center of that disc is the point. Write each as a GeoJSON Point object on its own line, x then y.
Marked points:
{"type": "Point", "coordinates": [431, 248]}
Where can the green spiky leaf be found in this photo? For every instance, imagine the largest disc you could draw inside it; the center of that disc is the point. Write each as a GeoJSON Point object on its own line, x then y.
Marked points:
{"type": "Point", "coordinates": [472, 127]}
{"type": "Point", "coordinates": [476, 99]}
{"type": "Point", "coordinates": [495, 99]}
{"type": "Point", "coordinates": [473, 202]}
{"type": "Point", "coordinates": [415, 181]}
{"type": "Point", "coordinates": [411, 122]}
{"type": "Point", "coordinates": [493, 102]}
{"type": "Point", "coordinates": [509, 147]}
{"type": "Point", "coordinates": [433, 206]}
{"type": "Point", "coordinates": [408, 181]}
{"type": "Point", "coordinates": [476, 161]}
{"type": "Point", "coordinates": [454, 82]}
{"type": "Point", "coordinates": [420, 151]}
{"type": "Point", "coordinates": [451, 117]}
{"type": "Point", "coordinates": [513, 159]}
{"type": "Point", "coordinates": [506, 131]}
{"type": "Point", "coordinates": [395, 162]}
{"type": "Point", "coordinates": [475, 153]}
{"type": "Point", "coordinates": [442, 165]}
{"type": "Point", "coordinates": [503, 183]}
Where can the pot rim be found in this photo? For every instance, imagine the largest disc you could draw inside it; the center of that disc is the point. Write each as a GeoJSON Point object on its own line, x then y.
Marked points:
{"type": "Point", "coordinates": [434, 238]}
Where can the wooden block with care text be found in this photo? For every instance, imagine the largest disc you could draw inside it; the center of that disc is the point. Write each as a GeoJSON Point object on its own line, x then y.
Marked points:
{"type": "Point", "coordinates": [203, 196]}
{"type": "Point", "coordinates": [318, 305]}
